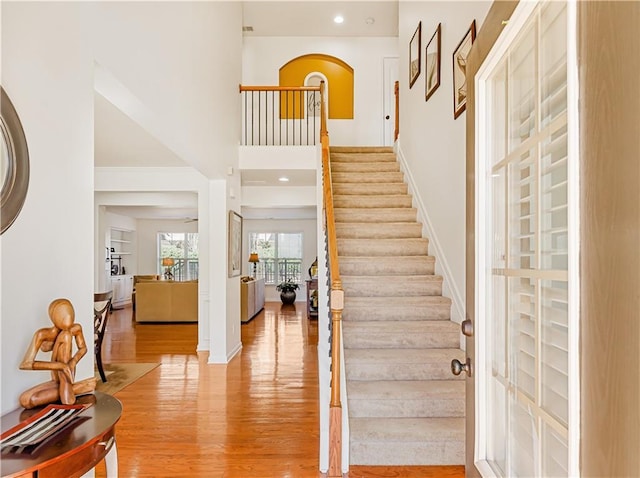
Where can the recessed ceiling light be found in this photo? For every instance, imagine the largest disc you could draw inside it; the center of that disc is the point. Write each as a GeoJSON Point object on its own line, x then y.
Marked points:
{"type": "Point", "coordinates": [338, 19]}
{"type": "Point", "coordinates": [283, 179]}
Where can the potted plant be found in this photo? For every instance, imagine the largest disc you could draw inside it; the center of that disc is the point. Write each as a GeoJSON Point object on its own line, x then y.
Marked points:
{"type": "Point", "coordinates": [287, 291]}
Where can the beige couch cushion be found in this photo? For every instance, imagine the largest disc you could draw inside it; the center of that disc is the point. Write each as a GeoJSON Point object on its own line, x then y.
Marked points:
{"type": "Point", "coordinates": [166, 301]}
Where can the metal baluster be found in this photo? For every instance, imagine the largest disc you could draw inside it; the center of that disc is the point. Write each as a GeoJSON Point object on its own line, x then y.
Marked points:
{"type": "Point", "coordinates": [252, 110]}
{"type": "Point", "coordinates": [301, 115]}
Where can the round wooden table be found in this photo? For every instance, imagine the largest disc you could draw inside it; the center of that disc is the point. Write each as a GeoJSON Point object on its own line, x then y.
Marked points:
{"type": "Point", "coordinates": [75, 449]}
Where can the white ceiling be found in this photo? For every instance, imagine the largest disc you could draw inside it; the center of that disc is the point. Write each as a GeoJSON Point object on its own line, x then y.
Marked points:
{"type": "Point", "coordinates": [271, 177]}
{"type": "Point", "coordinates": [121, 142]}
{"type": "Point", "coordinates": [307, 18]}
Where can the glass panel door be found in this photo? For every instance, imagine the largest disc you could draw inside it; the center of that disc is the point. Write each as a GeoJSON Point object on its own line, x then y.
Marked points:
{"type": "Point", "coordinates": [523, 281]}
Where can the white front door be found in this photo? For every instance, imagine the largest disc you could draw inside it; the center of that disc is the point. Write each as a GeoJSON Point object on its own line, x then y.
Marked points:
{"type": "Point", "coordinates": [390, 71]}
{"type": "Point", "coordinates": [527, 406]}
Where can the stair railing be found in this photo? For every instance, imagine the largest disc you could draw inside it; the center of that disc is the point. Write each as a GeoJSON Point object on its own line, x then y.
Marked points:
{"type": "Point", "coordinates": [280, 115]}
{"type": "Point", "coordinates": [396, 92]}
{"type": "Point", "coordinates": [336, 301]}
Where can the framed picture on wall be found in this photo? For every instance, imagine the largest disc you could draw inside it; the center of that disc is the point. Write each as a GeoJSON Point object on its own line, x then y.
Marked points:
{"type": "Point", "coordinates": [432, 72]}
{"type": "Point", "coordinates": [235, 244]}
{"type": "Point", "coordinates": [460, 69]}
{"type": "Point", "coordinates": [414, 55]}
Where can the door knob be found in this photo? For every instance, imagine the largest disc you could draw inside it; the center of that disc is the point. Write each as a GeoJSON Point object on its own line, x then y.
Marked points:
{"type": "Point", "coordinates": [458, 367]}
{"type": "Point", "coordinates": [387, 117]}
{"type": "Point", "coordinates": [467, 327]}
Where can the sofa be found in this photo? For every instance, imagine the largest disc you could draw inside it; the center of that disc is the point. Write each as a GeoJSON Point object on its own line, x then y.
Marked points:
{"type": "Point", "coordinates": [141, 278]}
{"type": "Point", "coordinates": [166, 301]}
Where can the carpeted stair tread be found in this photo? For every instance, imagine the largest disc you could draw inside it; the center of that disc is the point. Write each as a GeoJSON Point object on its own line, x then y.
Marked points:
{"type": "Point", "coordinates": [371, 177]}
{"type": "Point", "coordinates": [383, 247]}
{"type": "Point", "coordinates": [378, 214]}
{"type": "Point", "coordinates": [387, 265]}
{"type": "Point", "coordinates": [406, 398]}
{"type": "Point", "coordinates": [361, 149]}
{"type": "Point", "coordinates": [399, 230]}
{"type": "Point", "coordinates": [338, 158]}
{"type": "Point", "coordinates": [391, 286]}
{"type": "Point", "coordinates": [406, 389]}
{"type": "Point", "coordinates": [400, 334]}
{"type": "Point", "coordinates": [401, 364]}
{"type": "Point", "coordinates": [364, 167]}
{"type": "Point", "coordinates": [371, 201]}
{"type": "Point", "coordinates": [407, 441]}
{"type": "Point", "coordinates": [370, 189]}
{"type": "Point", "coordinates": [397, 308]}
{"type": "Point", "coordinates": [405, 430]}
{"type": "Point", "coordinates": [402, 356]}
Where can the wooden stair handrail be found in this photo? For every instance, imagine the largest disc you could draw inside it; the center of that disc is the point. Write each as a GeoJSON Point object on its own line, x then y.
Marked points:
{"type": "Point", "coordinates": [336, 301]}
{"type": "Point", "coordinates": [396, 92]}
{"type": "Point", "coordinates": [278, 88]}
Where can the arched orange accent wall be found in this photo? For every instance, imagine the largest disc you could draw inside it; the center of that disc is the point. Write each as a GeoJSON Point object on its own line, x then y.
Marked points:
{"type": "Point", "coordinates": [339, 75]}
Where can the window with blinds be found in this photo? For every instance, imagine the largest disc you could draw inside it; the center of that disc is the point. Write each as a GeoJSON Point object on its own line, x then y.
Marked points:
{"type": "Point", "coordinates": [527, 278]}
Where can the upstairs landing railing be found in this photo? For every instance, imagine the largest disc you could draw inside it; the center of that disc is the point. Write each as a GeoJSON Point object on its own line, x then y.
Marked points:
{"type": "Point", "coordinates": [280, 115]}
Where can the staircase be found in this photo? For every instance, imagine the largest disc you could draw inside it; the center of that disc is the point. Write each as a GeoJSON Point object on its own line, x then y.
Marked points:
{"type": "Point", "coordinates": [405, 406]}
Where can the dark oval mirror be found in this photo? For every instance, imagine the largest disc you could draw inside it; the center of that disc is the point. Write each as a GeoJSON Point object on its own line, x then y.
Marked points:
{"type": "Point", "coordinates": [14, 163]}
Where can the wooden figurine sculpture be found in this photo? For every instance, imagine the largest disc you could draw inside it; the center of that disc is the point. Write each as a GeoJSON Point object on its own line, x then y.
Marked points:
{"type": "Point", "coordinates": [59, 341]}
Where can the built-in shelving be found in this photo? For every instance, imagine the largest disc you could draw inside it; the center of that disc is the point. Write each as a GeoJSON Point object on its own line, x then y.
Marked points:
{"type": "Point", "coordinates": [120, 264]}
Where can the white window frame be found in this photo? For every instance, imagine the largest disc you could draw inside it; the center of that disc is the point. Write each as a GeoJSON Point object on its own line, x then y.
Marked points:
{"type": "Point", "coordinates": [260, 268]}
{"type": "Point", "coordinates": [159, 258]}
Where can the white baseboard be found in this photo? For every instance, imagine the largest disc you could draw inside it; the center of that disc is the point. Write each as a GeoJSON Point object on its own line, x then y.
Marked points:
{"type": "Point", "coordinates": [225, 358]}
{"type": "Point", "coordinates": [449, 287]}
{"type": "Point", "coordinates": [203, 346]}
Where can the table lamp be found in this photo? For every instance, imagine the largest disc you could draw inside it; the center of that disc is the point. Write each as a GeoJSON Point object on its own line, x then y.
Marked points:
{"type": "Point", "coordinates": [168, 262]}
{"type": "Point", "coordinates": [253, 258]}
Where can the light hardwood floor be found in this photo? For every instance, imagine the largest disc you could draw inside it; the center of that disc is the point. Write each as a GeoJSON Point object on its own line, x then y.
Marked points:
{"type": "Point", "coordinates": [254, 417]}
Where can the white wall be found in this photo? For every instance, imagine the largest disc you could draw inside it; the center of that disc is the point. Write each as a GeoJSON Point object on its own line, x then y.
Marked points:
{"type": "Point", "coordinates": [262, 58]}
{"type": "Point", "coordinates": [432, 143]}
{"type": "Point", "coordinates": [147, 240]}
{"type": "Point", "coordinates": [182, 61]}
{"type": "Point", "coordinates": [309, 247]}
{"type": "Point", "coordinates": [48, 252]}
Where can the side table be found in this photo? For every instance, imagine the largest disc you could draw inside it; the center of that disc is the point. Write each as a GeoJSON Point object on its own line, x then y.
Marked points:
{"type": "Point", "coordinates": [75, 449]}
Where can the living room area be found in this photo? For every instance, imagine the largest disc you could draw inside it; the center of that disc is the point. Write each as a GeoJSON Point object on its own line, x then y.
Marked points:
{"type": "Point", "coordinates": [149, 261]}
{"type": "Point", "coordinates": [151, 254]}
